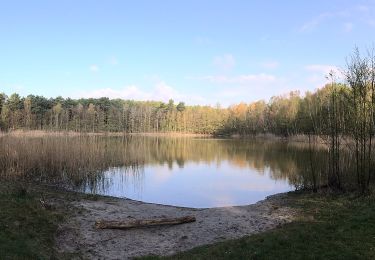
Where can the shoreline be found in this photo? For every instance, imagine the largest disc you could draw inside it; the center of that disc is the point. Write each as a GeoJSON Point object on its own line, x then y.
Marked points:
{"type": "Point", "coordinates": [266, 136]}
{"type": "Point", "coordinates": [63, 227]}
{"type": "Point", "coordinates": [77, 234]}
{"type": "Point", "coordinates": [41, 133]}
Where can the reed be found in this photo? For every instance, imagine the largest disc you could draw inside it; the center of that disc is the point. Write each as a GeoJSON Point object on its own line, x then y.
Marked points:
{"type": "Point", "coordinates": [60, 159]}
{"type": "Point", "coordinates": [81, 160]}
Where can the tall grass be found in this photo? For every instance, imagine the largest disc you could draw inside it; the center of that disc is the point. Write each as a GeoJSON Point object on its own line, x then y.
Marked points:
{"type": "Point", "coordinates": [81, 160]}
{"type": "Point", "coordinates": [61, 159]}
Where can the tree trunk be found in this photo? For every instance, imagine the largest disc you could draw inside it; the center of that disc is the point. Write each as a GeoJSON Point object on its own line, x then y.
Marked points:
{"type": "Point", "coordinates": [126, 224]}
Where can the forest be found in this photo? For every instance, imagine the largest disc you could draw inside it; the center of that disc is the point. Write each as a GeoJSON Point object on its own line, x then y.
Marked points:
{"type": "Point", "coordinates": [349, 103]}
{"type": "Point", "coordinates": [284, 115]}
{"type": "Point", "coordinates": [341, 114]}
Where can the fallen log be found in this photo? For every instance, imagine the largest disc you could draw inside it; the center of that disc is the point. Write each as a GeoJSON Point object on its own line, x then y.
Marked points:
{"type": "Point", "coordinates": [138, 223]}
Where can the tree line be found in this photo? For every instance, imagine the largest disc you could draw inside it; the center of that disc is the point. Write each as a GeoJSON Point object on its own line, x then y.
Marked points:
{"type": "Point", "coordinates": [341, 113]}
{"type": "Point", "coordinates": [284, 115]}
{"type": "Point", "coordinates": [103, 114]}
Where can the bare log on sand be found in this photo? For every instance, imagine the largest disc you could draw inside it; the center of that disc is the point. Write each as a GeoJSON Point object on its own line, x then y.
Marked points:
{"type": "Point", "coordinates": [139, 223]}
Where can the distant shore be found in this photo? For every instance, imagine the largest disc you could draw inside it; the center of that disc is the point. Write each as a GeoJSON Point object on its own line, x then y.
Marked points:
{"type": "Point", "coordinates": [266, 136]}
{"type": "Point", "coordinates": [39, 133]}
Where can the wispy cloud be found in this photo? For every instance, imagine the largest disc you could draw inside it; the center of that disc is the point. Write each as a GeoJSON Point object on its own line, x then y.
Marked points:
{"type": "Point", "coordinates": [363, 8]}
{"type": "Point", "coordinates": [319, 72]}
{"type": "Point", "coordinates": [319, 19]}
{"type": "Point", "coordinates": [313, 23]}
{"type": "Point", "coordinates": [354, 14]}
{"type": "Point", "coordinates": [160, 92]}
{"type": "Point", "coordinates": [366, 13]}
{"type": "Point", "coordinates": [127, 92]}
{"type": "Point", "coordinates": [113, 61]}
{"type": "Point", "coordinates": [94, 68]}
{"type": "Point", "coordinates": [245, 87]}
{"type": "Point", "coordinates": [165, 92]}
{"type": "Point", "coordinates": [270, 64]}
{"type": "Point", "coordinates": [371, 22]}
{"type": "Point", "coordinates": [348, 27]}
{"type": "Point", "coordinates": [260, 88]}
{"type": "Point", "coordinates": [202, 40]}
{"type": "Point", "coordinates": [224, 62]}
{"type": "Point", "coordinates": [323, 69]}
{"type": "Point", "coordinates": [239, 79]}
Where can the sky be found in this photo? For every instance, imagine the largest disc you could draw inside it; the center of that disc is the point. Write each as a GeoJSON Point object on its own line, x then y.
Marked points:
{"type": "Point", "coordinates": [199, 52]}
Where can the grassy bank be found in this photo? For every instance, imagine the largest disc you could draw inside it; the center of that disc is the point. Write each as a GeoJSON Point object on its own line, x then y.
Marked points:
{"type": "Point", "coordinates": [330, 227]}
{"type": "Point", "coordinates": [27, 229]}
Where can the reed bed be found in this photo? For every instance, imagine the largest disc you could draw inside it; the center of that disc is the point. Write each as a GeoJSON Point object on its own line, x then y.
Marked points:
{"type": "Point", "coordinates": [61, 159]}
{"type": "Point", "coordinates": [82, 160]}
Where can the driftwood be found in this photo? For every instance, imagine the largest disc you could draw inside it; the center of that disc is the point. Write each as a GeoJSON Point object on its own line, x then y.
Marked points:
{"type": "Point", "coordinates": [126, 224]}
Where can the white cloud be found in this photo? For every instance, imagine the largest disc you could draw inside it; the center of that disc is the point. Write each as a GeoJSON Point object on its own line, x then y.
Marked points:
{"type": "Point", "coordinates": [243, 88]}
{"type": "Point", "coordinates": [126, 93]}
{"type": "Point", "coordinates": [240, 79]}
{"type": "Point", "coordinates": [270, 64]}
{"type": "Point", "coordinates": [153, 78]}
{"type": "Point", "coordinates": [363, 8]}
{"type": "Point", "coordinates": [113, 61]}
{"type": "Point", "coordinates": [319, 73]}
{"type": "Point", "coordinates": [201, 40]}
{"type": "Point", "coordinates": [259, 89]}
{"type": "Point", "coordinates": [366, 13]}
{"type": "Point", "coordinates": [165, 92]}
{"type": "Point", "coordinates": [224, 62]}
{"type": "Point", "coordinates": [348, 27]}
{"type": "Point", "coordinates": [313, 23]}
{"type": "Point", "coordinates": [371, 22]}
{"type": "Point", "coordinates": [316, 21]}
{"type": "Point", "coordinates": [94, 68]}
{"type": "Point", "coordinates": [316, 81]}
{"type": "Point", "coordinates": [322, 68]}
{"type": "Point", "coordinates": [354, 14]}
{"type": "Point", "coordinates": [160, 92]}
{"type": "Point", "coordinates": [15, 88]}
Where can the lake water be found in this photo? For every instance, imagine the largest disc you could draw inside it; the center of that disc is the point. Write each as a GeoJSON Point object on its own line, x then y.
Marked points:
{"type": "Point", "coordinates": [205, 172]}
{"type": "Point", "coordinates": [204, 184]}
{"type": "Point", "coordinates": [189, 172]}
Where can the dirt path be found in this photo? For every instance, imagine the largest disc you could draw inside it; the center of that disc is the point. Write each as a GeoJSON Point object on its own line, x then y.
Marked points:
{"type": "Point", "coordinates": [78, 235]}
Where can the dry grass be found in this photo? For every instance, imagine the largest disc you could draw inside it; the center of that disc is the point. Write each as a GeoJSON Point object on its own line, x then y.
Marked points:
{"type": "Point", "coordinates": [42, 133]}
{"type": "Point", "coordinates": [74, 160]}
{"type": "Point", "coordinates": [61, 159]}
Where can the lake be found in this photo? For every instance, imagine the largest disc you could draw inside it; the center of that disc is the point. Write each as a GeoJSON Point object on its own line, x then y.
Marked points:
{"type": "Point", "coordinates": [188, 172]}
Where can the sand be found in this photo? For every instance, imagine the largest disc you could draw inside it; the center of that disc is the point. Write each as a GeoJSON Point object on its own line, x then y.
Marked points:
{"type": "Point", "coordinates": [78, 234]}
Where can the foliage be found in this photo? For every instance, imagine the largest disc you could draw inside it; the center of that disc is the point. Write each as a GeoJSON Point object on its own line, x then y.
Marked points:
{"type": "Point", "coordinates": [283, 115]}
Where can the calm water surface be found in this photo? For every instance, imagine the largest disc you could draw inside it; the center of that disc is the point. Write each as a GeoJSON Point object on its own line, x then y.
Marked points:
{"type": "Point", "coordinates": [194, 184]}
{"type": "Point", "coordinates": [203, 172]}
{"type": "Point", "coordinates": [190, 172]}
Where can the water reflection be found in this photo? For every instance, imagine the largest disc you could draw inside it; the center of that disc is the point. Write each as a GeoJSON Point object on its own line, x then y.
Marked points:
{"type": "Point", "coordinates": [194, 185]}
{"type": "Point", "coordinates": [207, 172]}
{"type": "Point", "coordinates": [189, 172]}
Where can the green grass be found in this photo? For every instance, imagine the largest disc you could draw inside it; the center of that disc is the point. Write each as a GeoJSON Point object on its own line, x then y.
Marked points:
{"type": "Point", "coordinates": [332, 227]}
{"type": "Point", "coordinates": [26, 229]}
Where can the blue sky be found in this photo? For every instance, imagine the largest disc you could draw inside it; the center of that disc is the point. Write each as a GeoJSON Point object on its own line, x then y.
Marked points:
{"type": "Point", "coordinates": [200, 52]}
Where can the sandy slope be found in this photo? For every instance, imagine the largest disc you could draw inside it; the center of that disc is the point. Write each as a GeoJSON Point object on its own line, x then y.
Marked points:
{"type": "Point", "coordinates": [213, 225]}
